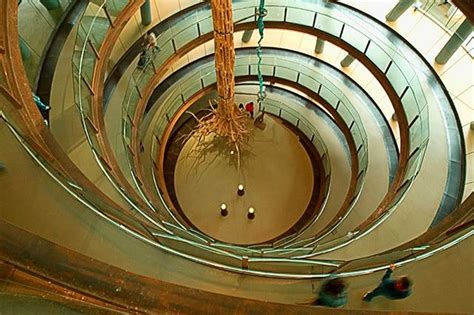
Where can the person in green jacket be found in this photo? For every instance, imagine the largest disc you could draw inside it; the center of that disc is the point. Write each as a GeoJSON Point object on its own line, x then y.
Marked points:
{"type": "Point", "coordinates": [333, 293]}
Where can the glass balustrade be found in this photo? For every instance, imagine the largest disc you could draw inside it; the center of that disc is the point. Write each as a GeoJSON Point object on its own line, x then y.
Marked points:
{"type": "Point", "coordinates": [34, 40]}
{"type": "Point", "coordinates": [92, 29]}
{"type": "Point", "coordinates": [170, 46]}
{"type": "Point", "coordinates": [402, 73]}
{"type": "Point", "coordinates": [203, 76]}
{"type": "Point", "coordinates": [448, 16]}
{"type": "Point", "coordinates": [329, 19]}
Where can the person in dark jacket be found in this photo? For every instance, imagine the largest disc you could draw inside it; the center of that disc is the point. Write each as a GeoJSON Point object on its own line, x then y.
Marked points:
{"type": "Point", "coordinates": [394, 289]}
{"type": "Point", "coordinates": [143, 60]}
{"type": "Point", "coordinates": [333, 293]}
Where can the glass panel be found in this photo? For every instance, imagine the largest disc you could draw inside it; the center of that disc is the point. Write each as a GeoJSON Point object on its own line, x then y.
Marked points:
{"type": "Point", "coordinates": [165, 37]}
{"type": "Point", "coordinates": [275, 13]}
{"type": "Point", "coordinates": [410, 106]}
{"type": "Point", "coordinates": [425, 132]}
{"type": "Point", "coordinates": [166, 51]}
{"type": "Point", "coordinates": [374, 261]}
{"type": "Point", "coordinates": [205, 26]}
{"type": "Point", "coordinates": [244, 14]}
{"type": "Point", "coordinates": [191, 88]}
{"type": "Point", "coordinates": [300, 16]}
{"type": "Point", "coordinates": [272, 109]}
{"type": "Point", "coordinates": [360, 182]}
{"type": "Point", "coordinates": [419, 93]}
{"type": "Point", "coordinates": [175, 105]}
{"type": "Point", "coordinates": [328, 96]}
{"type": "Point", "coordinates": [306, 130]}
{"type": "Point", "coordinates": [114, 7]}
{"type": "Point", "coordinates": [145, 76]}
{"type": "Point", "coordinates": [185, 36]}
{"type": "Point", "coordinates": [328, 24]}
{"type": "Point", "coordinates": [188, 21]}
{"type": "Point", "coordinates": [289, 117]}
{"type": "Point", "coordinates": [241, 70]}
{"type": "Point", "coordinates": [93, 139]}
{"type": "Point", "coordinates": [99, 31]}
{"type": "Point", "coordinates": [355, 38]}
{"type": "Point", "coordinates": [308, 82]}
{"type": "Point", "coordinates": [403, 64]}
{"type": "Point", "coordinates": [286, 73]}
{"type": "Point", "coordinates": [415, 134]}
{"type": "Point", "coordinates": [346, 115]}
{"type": "Point", "coordinates": [356, 135]}
{"type": "Point", "coordinates": [396, 78]}
{"type": "Point", "coordinates": [88, 63]}
{"type": "Point", "coordinates": [85, 101]}
{"type": "Point", "coordinates": [412, 166]}
{"type": "Point", "coordinates": [378, 56]}
{"type": "Point", "coordinates": [133, 102]}
{"type": "Point", "coordinates": [266, 70]}
{"type": "Point", "coordinates": [210, 78]}
{"type": "Point", "coordinates": [127, 130]}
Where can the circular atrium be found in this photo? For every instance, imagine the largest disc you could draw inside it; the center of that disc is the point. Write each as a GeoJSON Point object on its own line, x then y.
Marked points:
{"type": "Point", "coordinates": [246, 156]}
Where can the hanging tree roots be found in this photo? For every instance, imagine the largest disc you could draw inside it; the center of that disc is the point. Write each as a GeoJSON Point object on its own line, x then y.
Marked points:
{"type": "Point", "coordinates": [230, 124]}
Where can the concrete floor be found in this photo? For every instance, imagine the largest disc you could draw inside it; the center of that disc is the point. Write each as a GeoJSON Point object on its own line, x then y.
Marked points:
{"type": "Point", "coordinates": [53, 214]}
{"type": "Point", "coordinates": [420, 219]}
{"type": "Point", "coordinates": [50, 213]}
{"type": "Point", "coordinates": [274, 169]}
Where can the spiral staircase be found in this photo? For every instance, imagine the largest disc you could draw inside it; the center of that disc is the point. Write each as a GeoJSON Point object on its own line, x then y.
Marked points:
{"type": "Point", "coordinates": [366, 159]}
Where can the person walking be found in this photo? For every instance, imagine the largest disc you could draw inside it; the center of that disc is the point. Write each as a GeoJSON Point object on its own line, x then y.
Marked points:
{"type": "Point", "coordinates": [151, 42]}
{"type": "Point", "coordinates": [333, 293]}
{"type": "Point", "coordinates": [143, 60]}
{"type": "Point", "coordinates": [394, 289]}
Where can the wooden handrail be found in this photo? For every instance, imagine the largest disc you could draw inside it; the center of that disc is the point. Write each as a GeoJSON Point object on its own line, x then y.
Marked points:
{"type": "Point", "coordinates": [17, 85]}
{"type": "Point", "coordinates": [20, 108]}
{"type": "Point", "coordinates": [97, 85]}
{"type": "Point", "coordinates": [466, 7]}
{"type": "Point", "coordinates": [334, 113]}
{"type": "Point", "coordinates": [379, 75]}
{"type": "Point", "coordinates": [168, 134]}
{"type": "Point", "coordinates": [75, 276]}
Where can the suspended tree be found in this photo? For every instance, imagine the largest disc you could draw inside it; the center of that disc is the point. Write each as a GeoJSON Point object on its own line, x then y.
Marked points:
{"type": "Point", "coordinates": [225, 120]}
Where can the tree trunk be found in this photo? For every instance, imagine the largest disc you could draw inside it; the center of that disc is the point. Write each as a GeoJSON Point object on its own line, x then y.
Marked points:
{"type": "Point", "coordinates": [224, 55]}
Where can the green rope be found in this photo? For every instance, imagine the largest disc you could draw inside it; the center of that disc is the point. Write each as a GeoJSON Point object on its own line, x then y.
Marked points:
{"type": "Point", "coordinates": [261, 13]}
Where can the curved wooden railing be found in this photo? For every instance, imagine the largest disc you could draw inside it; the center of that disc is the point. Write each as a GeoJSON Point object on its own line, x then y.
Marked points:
{"type": "Point", "coordinates": [345, 129]}
{"type": "Point", "coordinates": [15, 90]}
{"type": "Point", "coordinates": [27, 120]}
{"type": "Point", "coordinates": [68, 276]}
{"type": "Point", "coordinates": [17, 103]}
{"type": "Point", "coordinates": [403, 123]}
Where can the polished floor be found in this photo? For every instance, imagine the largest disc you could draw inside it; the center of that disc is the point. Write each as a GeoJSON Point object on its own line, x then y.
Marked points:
{"type": "Point", "coordinates": [412, 25]}
{"type": "Point", "coordinates": [274, 169]}
{"type": "Point", "coordinates": [67, 222]}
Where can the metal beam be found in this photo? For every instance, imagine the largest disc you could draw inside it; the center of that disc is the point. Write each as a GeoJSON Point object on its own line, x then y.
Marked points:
{"type": "Point", "coordinates": [145, 13]}
{"type": "Point", "coordinates": [346, 62]}
{"type": "Point", "coordinates": [247, 35]}
{"type": "Point", "coordinates": [398, 10]}
{"type": "Point", "coordinates": [460, 35]}
{"type": "Point", "coordinates": [319, 46]}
